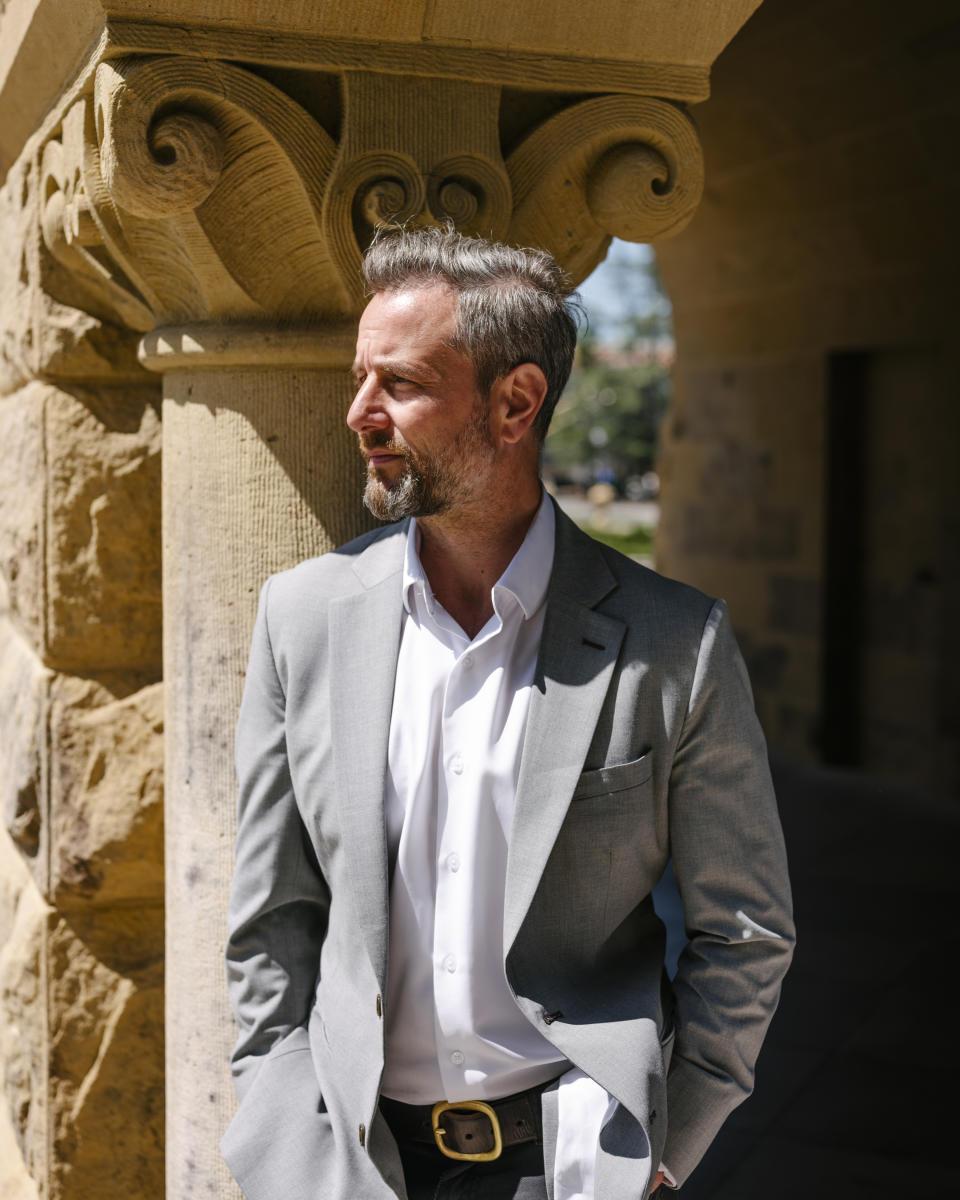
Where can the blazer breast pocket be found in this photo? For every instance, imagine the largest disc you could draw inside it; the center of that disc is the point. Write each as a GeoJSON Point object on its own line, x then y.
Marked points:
{"type": "Point", "coordinates": [621, 777]}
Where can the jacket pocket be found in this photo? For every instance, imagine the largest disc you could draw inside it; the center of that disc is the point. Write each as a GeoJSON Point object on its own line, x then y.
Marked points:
{"type": "Point", "coordinates": [281, 1130]}
{"type": "Point", "coordinates": [604, 781]}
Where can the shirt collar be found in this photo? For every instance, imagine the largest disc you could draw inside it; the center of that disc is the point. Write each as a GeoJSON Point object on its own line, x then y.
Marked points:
{"type": "Point", "coordinates": [526, 577]}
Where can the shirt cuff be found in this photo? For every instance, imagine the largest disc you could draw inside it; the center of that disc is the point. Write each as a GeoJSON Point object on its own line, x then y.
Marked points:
{"type": "Point", "coordinates": [584, 1107]}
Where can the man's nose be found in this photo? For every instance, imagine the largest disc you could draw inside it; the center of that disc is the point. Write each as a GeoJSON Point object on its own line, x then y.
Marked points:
{"type": "Point", "coordinates": [367, 411]}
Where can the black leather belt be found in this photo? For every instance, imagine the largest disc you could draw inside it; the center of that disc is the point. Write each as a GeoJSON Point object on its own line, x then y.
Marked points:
{"type": "Point", "coordinates": [469, 1130]}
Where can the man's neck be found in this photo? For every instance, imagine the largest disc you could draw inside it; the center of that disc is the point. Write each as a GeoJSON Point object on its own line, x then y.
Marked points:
{"type": "Point", "coordinates": [463, 554]}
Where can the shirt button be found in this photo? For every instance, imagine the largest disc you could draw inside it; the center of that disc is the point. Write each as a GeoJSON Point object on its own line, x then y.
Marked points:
{"type": "Point", "coordinates": [453, 862]}
{"type": "Point", "coordinates": [450, 963]}
{"type": "Point", "coordinates": [467, 661]}
{"type": "Point", "coordinates": [457, 1058]}
{"type": "Point", "coordinates": [456, 765]}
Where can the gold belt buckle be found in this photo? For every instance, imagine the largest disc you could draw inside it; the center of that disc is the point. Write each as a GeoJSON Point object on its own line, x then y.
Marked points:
{"type": "Point", "coordinates": [439, 1133]}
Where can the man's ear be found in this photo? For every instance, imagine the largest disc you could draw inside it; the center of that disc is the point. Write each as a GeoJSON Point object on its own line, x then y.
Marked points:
{"type": "Point", "coordinates": [520, 393]}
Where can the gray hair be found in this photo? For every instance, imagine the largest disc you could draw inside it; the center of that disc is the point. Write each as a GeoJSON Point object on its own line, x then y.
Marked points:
{"type": "Point", "coordinates": [513, 306]}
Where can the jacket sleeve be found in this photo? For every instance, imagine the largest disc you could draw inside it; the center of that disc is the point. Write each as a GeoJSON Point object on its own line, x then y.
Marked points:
{"type": "Point", "coordinates": [731, 870]}
{"type": "Point", "coordinates": [279, 900]}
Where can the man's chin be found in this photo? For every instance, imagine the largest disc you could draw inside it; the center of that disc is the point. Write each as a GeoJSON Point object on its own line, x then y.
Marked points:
{"type": "Point", "coordinates": [390, 503]}
{"type": "Point", "coordinates": [408, 497]}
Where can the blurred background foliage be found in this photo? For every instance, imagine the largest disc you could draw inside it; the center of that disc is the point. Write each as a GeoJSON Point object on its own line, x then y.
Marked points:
{"type": "Point", "coordinates": [607, 422]}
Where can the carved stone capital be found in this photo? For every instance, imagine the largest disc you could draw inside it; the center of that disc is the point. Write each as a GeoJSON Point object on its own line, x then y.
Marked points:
{"type": "Point", "coordinates": [207, 183]}
{"type": "Point", "coordinates": [186, 192]}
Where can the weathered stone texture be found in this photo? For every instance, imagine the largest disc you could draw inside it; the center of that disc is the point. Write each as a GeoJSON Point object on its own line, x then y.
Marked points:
{"type": "Point", "coordinates": [106, 940]}
{"type": "Point", "coordinates": [23, 683]}
{"type": "Point", "coordinates": [81, 748]}
{"type": "Point", "coordinates": [80, 524]}
{"type": "Point", "coordinates": [15, 1182]}
{"type": "Point", "coordinates": [104, 522]}
{"type": "Point", "coordinates": [23, 1086]}
{"type": "Point", "coordinates": [53, 322]}
{"type": "Point", "coordinates": [16, 325]}
{"type": "Point", "coordinates": [106, 795]}
{"type": "Point", "coordinates": [21, 511]}
{"type": "Point", "coordinates": [106, 1059]}
{"type": "Point", "coordinates": [100, 806]}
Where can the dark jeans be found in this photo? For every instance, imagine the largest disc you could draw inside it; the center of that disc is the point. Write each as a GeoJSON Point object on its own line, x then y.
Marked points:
{"type": "Point", "coordinates": [516, 1175]}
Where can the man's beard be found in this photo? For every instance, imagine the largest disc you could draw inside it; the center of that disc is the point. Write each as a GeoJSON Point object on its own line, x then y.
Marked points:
{"type": "Point", "coordinates": [430, 483]}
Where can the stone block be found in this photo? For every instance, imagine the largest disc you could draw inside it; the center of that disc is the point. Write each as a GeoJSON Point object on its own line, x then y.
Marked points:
{"type": "Point", "coordinates": [23, 684]}
{"type": "Point", "coordinates": [23, 918]}
{"type": "Point", "coordinates": [81, 1002]}
{"type": "Point", "coordinates": [106, 1054]}
{"type": "Point", "coordinates": [80, 524]}
{"type": "Point", "coordinates": [21, 509]}
{"type": "Point", "coordinates": [103, 549]}
{"type": "Point", "coordinates": [795, 604]}
{"type": "Point", "coordinates": [753, 532]}
{"type": "Point", "coordinates": [81, 769]}
{"type": "Point", "coordinates": [795, 728]}
{"type": "Point", "coordinates": [765, 661]}
{"type": "Point", "coordinates": [734, 471]}
{"type": "Point", "coordinates": [106, 794]}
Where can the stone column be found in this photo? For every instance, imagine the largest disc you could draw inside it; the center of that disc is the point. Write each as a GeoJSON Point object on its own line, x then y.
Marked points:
{"type": "Point", "coordinates": [258, 474]}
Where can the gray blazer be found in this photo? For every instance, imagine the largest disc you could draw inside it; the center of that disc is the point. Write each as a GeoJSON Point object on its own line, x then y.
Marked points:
{"type": "Point", "coordinates": [641, 744]}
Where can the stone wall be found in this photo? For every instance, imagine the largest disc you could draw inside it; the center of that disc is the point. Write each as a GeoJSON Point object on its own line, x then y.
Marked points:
{"type": "Point", "coordinates": [81, 721]}
{"type": "Point", "coordinates": [824, 505]}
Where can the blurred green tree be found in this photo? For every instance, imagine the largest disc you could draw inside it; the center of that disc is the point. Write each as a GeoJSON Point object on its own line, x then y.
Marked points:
{"type": "Point", "coordinates": [607, 422]}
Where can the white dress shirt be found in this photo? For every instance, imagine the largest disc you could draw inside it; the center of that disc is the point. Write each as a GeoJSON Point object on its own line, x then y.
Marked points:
{"type": "Point", "coordinates": [453, 1030]}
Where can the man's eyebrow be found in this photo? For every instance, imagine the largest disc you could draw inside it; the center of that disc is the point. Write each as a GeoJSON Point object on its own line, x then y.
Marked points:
{"type": "Point", "coordinates": [399, 368]}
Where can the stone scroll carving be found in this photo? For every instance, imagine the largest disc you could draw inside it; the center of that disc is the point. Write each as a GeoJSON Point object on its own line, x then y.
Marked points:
{"type": "Point", "coordinates": [612, 166]}
{"type": "Point", "coordinates": [188, 190]}
{"type": "Point", "coordinates": [185, 191]}
{"type": "Point", "coordinates": [414, 150]}
{"type": "Point", "coordinates": [211, 182]}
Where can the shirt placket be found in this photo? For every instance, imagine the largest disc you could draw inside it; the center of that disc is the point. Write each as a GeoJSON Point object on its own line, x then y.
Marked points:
{"type": "Point", "coordinates": [463, 732]}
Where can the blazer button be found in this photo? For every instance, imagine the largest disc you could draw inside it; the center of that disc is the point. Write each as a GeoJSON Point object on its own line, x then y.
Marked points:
{"type": "Point", "coordinates": [363, 1135]}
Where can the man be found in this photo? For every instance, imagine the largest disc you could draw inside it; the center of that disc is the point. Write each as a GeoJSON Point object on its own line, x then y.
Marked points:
{"type": "Point", "coordinates": [468, 746]}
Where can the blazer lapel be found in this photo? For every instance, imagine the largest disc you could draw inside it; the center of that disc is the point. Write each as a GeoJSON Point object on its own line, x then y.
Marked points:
{"type": "Point", "coordinates": [364, 642]}
{"type": "Point", "coordinates": [578, 651]}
